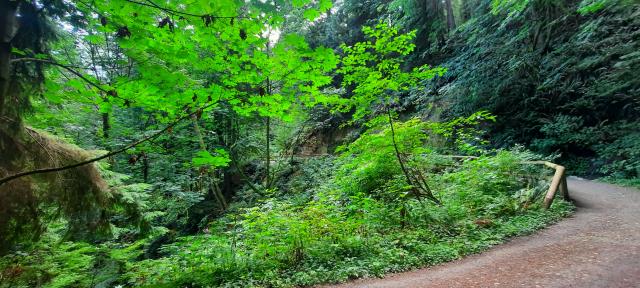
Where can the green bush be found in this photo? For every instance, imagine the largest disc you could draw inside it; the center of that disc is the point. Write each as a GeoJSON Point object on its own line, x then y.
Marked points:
{"type": "Point", "coordinates": [359, 222]}
{"type": "Point", "coordinates": [352, 226]}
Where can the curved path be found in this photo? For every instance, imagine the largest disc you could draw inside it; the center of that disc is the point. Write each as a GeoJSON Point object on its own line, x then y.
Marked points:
{"type": "Point", "coordinates": [598, 246]}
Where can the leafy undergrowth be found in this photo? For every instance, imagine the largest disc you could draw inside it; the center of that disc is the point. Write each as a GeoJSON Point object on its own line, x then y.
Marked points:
{"type": "Point", "coordinates": [209, 260]}
{"type": "Point", "coordinates": [343, 229]}
{"type": "Point", "coordinates": [205, 261]}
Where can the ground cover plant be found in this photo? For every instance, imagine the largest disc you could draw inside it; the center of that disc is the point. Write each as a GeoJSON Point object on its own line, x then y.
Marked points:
{"type": "Point", "coordinates": [361, 221]}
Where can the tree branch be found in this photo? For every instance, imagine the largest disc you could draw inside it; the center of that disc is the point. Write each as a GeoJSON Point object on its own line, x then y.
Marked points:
{"type": "Point", "coordinates": [176, 12]}
{"type": "Point", "coordinates": [66, 67]}
{"type": "Point", "coordinates": [118, 151]}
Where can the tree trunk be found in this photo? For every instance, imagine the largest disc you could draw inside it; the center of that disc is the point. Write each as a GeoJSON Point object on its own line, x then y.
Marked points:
{"type": "Point", "coordinates": [267, 178]}
{"type": "Point", "coordinates": [403, 210]}
{"type": "Point", "coordinates": [105, 125]}
{"type": "Point", "coordinates": [213, 185]}
{"type": "Point", "coordinates": [403, 216]}
{"type": "Point", "coordinates": [417, 182]}
{"type": "Point", "coordinates": [93, 51]}
{"type": "Point", "coordinates": [398, 156]}
{"type": "Point", "coordinates": [8, 28]}
{"type": "Point", "coordinates": [145, 167]}
{"type": "Point", "coordinates": [435, 7]}
{"type": "Point", "coordinates": [451, 23]}
{"type": "Point", "coordinates": [466, 13]}
{"type": "Point", "coordinates": [268, 156]}
{"type": "Point", "coordinates": [228, 138]}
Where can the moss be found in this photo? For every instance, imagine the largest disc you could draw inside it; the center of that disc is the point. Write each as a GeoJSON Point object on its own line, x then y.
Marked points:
{"type": "Point", "coordinates": [79, 195]}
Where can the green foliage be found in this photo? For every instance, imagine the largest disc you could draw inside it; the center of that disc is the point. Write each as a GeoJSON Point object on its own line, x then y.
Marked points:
{"type": "Point", "coordinates": [368, 164]}
{"type": "Point", "coordinates": [464, 134]}
{"type": "Point", "coordinates": [373, 69]}
{"type": "Point", "coordinates": [511, 6]}
{"type": "Point", "coordinates": [623, 153]}
{"type": "Point", "coordinates": [336, 236]}
{"type": "Point", "coordinates": [592, 6]}
{"type": "Point", "coordinates": [552, 93]}
{"type": "Point", "coordinates": [204, 158]}
{"type": "Point", "coordinates": [52, 263]}
{"type": "Point", "coordinates": [496, 186]}
{"type": "Point", "coordinates": [243, 66]}
{"type": "Point", "coordinates": [133, 211]}
{"type": "Point", "coordinates": [340, 231]}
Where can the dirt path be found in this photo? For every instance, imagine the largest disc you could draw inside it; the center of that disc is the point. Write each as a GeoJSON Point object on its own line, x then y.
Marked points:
{"type": "Point", "coordinates": [599, 246]}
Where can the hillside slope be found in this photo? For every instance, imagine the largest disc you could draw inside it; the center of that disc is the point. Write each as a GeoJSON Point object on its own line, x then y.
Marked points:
{"type": "Point", "coordinates": [561, 79]}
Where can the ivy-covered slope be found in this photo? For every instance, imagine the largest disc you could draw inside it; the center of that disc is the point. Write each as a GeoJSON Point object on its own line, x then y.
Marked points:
{"type": "Point", "coordinates": [561, 76]}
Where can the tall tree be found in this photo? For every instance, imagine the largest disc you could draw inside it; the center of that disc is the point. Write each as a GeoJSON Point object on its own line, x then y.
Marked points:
{"type": "Point", "coordinates": [373, 70]}
{"type": "Point", "coordinates": [451, 22]}
{"type": "Point", "coordinates": [221, 41]}
{"type": "Point", "coordinates": [79, 194]}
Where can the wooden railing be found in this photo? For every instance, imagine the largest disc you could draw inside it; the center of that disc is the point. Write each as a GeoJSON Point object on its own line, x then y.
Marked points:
{"type": "Point", "coordinates": [558, 182]}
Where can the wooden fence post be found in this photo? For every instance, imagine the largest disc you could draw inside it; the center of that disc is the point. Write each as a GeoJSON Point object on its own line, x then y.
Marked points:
{"type": "Point", "coordinates": [564, 189]}
{"type": "Point", "coordinates": [559, 181]}
{"type": "Point", "coordinates": [558, 176]}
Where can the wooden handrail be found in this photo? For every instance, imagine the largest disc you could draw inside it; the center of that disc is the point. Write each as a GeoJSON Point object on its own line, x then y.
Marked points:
{"type": "Point", "coordinates": [559, 182]}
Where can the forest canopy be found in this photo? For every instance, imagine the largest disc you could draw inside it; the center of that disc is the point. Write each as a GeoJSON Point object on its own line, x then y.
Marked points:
{"type": "Point", "coordinates": [290, 143]}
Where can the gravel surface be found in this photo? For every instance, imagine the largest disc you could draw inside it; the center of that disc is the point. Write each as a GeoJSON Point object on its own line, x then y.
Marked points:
{"type": "Point", "coordinates": [598, 246]}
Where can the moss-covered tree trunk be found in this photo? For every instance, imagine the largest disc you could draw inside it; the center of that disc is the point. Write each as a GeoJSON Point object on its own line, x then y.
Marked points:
{"type": "Point", "coordinates": [80, 195]}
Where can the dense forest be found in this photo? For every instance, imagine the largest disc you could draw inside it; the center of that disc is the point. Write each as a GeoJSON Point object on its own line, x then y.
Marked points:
{"type": "Point", "coordinates": [249, 143]}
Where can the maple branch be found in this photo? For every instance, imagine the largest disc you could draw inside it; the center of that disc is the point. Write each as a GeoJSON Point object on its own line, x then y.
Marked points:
{"type": "Point", "coordinates": [118, 151]}
{"type": "Point", "coordinates": [176, 12]}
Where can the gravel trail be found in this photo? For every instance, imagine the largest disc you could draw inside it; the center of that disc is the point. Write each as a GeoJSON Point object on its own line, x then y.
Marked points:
{"type": "Point", "coordinates": [598, 246]}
